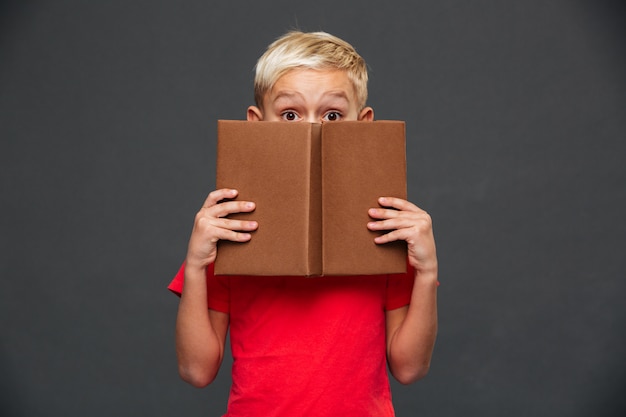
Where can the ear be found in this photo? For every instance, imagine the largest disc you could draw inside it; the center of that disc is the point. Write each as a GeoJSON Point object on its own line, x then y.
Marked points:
{"type": "Point", "coordinates": [254, 114]}
{"type": "Point", "coordinates": [366, 115]}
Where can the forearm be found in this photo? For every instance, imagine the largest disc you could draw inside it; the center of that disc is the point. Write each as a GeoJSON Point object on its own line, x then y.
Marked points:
{"type": "Point", "coordinates": [411, 346]}
{"type": "Point", "coordinates": [199, 347]}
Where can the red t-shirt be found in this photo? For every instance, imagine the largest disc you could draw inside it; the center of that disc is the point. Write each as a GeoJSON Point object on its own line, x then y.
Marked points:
{"type": "Point", "coordinates": [307, 346]}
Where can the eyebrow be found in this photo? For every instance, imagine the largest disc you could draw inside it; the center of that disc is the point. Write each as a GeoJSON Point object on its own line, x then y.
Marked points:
{"type": "Point", "coordinates": [287, 95]}
{"type": "Point", "coordinates": [336, 94]}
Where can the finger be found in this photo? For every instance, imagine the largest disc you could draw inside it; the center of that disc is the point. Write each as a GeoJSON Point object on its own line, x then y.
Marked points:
{"type": "Point", "coordinates": [236, 225]}
{"type": "Point", "coordinates": [385, 213]}
{"type": "Point", "coordinates": [218, 195]}
{"type": "Point", "coordinates": [404, 229]}
{"type": "Point", "coordinates": [382, 239]}
{"type": "Point", "coordinates": [393, 219]}
{"type": "Point", "coordinates": [407, 234]}
{"type": "Point", "coordinates": [233, 236]}
{"type": "Point", "coordinates": [397, 203]}
{"type": "Point", "coordinates": [379, 213]}
{"type": "Point", "coordinates": [212, 229]}
{"type": "Point", "coordinates": [228, 207]}
{"type": "Point", "coordinates": [391, 224]}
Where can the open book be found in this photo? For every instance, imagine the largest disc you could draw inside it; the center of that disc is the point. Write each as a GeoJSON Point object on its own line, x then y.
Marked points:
{"type": "Point", "coordinates": [312, 185]}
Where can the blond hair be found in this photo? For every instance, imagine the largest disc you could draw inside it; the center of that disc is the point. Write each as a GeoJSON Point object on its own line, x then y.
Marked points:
{"type": "Point", "coordinates": [313, 50]}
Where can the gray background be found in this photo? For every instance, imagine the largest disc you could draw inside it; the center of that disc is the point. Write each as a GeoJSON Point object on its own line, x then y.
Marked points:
{"type": "Point", "coordinates": [515, 121]}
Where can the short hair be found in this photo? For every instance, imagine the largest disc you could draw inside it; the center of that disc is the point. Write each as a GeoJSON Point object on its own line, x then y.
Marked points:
{"type": "Point", "coordinates": [312, 50]}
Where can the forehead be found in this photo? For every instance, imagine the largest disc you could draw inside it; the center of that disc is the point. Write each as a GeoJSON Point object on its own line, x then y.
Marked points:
{"type": "Point", "coordinates": [311, 88]}
{"type": "Point", "coordinates": [310, 83]}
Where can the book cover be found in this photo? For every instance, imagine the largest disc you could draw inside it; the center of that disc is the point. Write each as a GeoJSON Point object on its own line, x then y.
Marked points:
{"type": "Point", "coordinates": [312, 185]}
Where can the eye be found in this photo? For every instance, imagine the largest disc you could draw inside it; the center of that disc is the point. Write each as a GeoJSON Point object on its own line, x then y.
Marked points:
{"type": "Point", "coordinates": [332, 116]}
{"type": "Point", "coordinates": [290, 116]}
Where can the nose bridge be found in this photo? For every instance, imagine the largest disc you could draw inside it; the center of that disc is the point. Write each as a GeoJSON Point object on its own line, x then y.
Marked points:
{"type": "Point", "coordinates": [311, 117]}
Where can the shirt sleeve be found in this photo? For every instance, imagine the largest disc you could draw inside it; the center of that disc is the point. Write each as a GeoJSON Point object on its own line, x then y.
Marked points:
{"type": "Point", "coordinates": [176, 285]}
{"type": "Point", "coordinates": [218, 289]}
{"type": "Point", "coordinates": [399, 289]}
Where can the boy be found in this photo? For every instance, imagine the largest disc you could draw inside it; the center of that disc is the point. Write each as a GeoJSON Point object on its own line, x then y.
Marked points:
{"type": "Point", "coordinates": [308, 346]}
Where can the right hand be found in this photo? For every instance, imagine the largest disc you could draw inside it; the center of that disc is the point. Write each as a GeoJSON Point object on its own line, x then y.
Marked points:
{"type": "Point", "coordinates": [211, 225]}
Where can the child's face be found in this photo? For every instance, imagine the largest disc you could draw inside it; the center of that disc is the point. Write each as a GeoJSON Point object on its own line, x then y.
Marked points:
{"type": "Point", "coordinates": [313, 96]}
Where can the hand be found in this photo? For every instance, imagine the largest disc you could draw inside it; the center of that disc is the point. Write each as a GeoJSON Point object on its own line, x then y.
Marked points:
{"type": "Point", "coordinates": [405, 221]}
{"type": "Point", "coordinates": [210, 226]}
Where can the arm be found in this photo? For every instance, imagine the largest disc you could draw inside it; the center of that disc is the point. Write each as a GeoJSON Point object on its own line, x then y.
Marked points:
{"type": "Point", "coordinates": [200, 332]}
{"type": "Point", "coordinates": [411, 330]}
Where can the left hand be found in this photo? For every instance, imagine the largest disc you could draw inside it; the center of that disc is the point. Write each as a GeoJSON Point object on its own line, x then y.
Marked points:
{"type": "Point", "coordinates": [405, 221]}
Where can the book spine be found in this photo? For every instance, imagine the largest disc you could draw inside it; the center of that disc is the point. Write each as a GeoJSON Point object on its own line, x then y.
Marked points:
{"type": "Point", "coordinates": [315, 201]}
